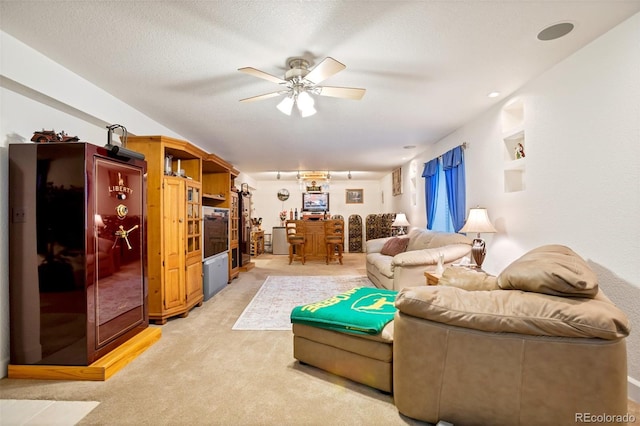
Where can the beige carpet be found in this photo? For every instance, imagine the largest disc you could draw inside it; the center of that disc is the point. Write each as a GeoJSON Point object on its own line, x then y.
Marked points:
{"type": "Point", "coordinates": [201, 372]}
{"type": "Point", "coordinates": [270, 309]}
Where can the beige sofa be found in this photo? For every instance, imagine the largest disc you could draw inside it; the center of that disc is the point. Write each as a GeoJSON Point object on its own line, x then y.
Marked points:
{"type": "Point", "coordinates": [539, 344]}
{"type": "Point", "coordinates": [407, 268]}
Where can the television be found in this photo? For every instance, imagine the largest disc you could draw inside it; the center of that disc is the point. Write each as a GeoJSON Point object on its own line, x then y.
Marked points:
{"type": "Point", "coordinates": [215, 231]}
{"type": "Point", "coordinates": [315, 202]}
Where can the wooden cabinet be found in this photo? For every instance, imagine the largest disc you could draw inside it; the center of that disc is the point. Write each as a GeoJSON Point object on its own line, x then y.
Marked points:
{"type": "Point", "coordinates": [234, 236]}
{"type": "Point", "coordinates": [314, 245]}
{"type": "Point", "coordinates": [174, 210]}
{"type": "Point", "coordinates": [217, 191]}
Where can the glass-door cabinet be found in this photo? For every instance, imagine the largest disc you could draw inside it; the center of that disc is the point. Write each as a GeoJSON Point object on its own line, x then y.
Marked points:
{"type": "Point", "coordinates": [194, 209]}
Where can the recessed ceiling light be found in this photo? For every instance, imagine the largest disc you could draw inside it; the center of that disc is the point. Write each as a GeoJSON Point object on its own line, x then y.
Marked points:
{"type": "Point", "coordinates": [493, 94]}
{"type": "Point", "coordinates": [555, 31]}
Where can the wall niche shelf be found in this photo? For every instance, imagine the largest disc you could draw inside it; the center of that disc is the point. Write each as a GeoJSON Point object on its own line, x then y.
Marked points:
{"type": "Point", "coordinates": [514, 147]}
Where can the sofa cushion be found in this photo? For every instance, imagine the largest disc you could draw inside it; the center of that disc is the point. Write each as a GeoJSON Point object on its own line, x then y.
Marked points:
{"type": "Point", "coordinates": [382, 263]}
{"type": "Point", "coordinates": [551, 269]}
{"type": "Point", "coordinates": [468, 279]}
{"type": "Point", "coordinates": [515, 311]}
{"type": "Point", "coordinates": [424, 239]}
{"type": "Point", "coordinates": [395, 245]}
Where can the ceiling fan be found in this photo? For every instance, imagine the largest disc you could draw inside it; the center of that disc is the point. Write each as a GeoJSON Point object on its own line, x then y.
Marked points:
{"type": "Point", "coordinates": [300, 83]}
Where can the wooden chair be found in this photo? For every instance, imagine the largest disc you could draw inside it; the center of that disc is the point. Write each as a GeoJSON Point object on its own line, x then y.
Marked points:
{"type": "Point", "coordinates": [296, 240]}
{"type": "Point", "coordinates": [334, 238]}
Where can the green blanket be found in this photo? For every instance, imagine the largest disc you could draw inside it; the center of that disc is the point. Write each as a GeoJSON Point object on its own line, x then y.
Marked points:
{"type": "Point", "coordinates": [362, 310]}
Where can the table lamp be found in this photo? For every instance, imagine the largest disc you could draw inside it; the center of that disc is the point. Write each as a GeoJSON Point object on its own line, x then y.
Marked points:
{"type": "Point", "coordinates": [478, 221]}
{"type": "Point", "coordinates": [400, 222]}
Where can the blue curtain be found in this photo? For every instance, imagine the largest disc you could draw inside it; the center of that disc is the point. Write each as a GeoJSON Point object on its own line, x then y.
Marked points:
{"type": "Point", "coordinates": [453, 165]}
{"type": "Point", "coordinates": [430, 175]}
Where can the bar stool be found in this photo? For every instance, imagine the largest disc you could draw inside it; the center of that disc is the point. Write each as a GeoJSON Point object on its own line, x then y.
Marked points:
{"type": "Point", "coordinates": [334, 238]}
{"type": "Point", "coordinates": [296, 239]}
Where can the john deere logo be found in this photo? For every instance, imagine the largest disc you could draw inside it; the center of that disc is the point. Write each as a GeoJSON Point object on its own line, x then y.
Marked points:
{"type": "Point", "coordinates": [375, 303]}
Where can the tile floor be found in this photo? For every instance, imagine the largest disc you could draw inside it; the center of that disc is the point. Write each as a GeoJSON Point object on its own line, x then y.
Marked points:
{"type": "Point", "coordinates": [14, 412]}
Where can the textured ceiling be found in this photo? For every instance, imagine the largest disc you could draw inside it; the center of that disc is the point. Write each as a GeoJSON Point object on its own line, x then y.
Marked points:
{"type": "Point", "coordinates": [427, 67]}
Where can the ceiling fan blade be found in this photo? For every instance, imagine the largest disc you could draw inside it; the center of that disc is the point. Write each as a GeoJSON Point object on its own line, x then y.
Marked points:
{"type": "Point", "coordinates": [324, 70]}
{"type": "Point", "coordinates": [265, 96]}
{"type": "Point", "coordinates": [261, 74]}
{"type": "Point", "coordinates": [342, 92]}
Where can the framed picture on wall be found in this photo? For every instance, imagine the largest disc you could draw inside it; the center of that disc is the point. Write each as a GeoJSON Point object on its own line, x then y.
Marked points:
{"type": "Point", "coordinates": [354, 196]}
{"type": "Point", "coordinates": [396, 181]}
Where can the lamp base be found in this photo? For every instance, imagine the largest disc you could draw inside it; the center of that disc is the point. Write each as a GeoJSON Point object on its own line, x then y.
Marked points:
{"type": "Point", "coordinates": [478, 251]}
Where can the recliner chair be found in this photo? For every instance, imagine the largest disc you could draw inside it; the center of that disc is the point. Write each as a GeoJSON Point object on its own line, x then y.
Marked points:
{"type": "Point", "coordinates": [539, 344]}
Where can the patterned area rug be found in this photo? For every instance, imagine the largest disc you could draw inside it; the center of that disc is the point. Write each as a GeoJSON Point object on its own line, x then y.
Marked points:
{"type": "Point", "coordinates": [271, 307]}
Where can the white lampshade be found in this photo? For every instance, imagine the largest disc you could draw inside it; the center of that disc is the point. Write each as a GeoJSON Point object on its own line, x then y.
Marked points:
{"type": "Point", "coordinates": [478, 222]}
{"type": "Point", "coordinates": [401, 220]}
{"type": "Point", "coordinates": [307, 112]}
{"type": "Point", "coordinates": [286, 105]}
{"type": "Point", "coordinates": [304, 100]}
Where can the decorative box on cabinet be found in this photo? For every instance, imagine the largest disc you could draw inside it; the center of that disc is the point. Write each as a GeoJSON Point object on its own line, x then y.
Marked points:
{"type": "Point", "coordinates": [77, 274]}
{"type": "Point", "coordinates": [174, 210]}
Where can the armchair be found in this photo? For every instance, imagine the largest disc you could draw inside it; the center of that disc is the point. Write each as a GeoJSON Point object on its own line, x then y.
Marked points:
{"type": "Point", "coordinates": [538, 344]}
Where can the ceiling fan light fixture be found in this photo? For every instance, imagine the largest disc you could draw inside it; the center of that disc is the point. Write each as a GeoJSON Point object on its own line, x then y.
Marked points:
{"type": "Point", "coordinates": [304, 100]}
{"type": "Point", "coordinates": [307, 112]}
{"type": "Point", "coordinates": [286, 105]}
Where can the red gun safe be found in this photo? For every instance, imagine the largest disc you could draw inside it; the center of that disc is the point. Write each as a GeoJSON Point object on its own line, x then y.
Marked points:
{"type": "Point", "coordinates": [77, 266]}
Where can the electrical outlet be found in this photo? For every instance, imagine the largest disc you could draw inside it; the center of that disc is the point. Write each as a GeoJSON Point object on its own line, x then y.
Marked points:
{"type": "Point", "coordinates": [19, 215]}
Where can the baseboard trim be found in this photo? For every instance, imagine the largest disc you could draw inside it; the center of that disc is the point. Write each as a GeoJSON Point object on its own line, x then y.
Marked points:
{"type": "Point", "coordinates": [633, 389]}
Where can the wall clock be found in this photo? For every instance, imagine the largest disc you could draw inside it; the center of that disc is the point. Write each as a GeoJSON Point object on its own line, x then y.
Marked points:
{"type": "Point", "coordinates": [283, 195]}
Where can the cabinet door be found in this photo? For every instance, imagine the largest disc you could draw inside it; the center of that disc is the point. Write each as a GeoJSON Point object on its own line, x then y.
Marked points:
{"type": "Point", "coordinates": [193, 266]}
{"type": "Point", "coordinates": [193, 279]}
{"type": "Point", "coordinates": [173, 242]}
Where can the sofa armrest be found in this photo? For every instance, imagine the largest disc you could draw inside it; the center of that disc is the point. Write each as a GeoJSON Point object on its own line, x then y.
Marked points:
{"type": "Point", "coordinates": [430, 256]}
{"type": "Point", "coordinates": [515, 311]}
{"type": "Point", "coordinates": [375, 245]}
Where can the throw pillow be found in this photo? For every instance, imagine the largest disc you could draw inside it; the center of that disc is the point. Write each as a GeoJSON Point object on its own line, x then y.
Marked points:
{"type": "Point", "coordinates": [395, 245]}
{"type": "Point", "coordinates": [551, 269]}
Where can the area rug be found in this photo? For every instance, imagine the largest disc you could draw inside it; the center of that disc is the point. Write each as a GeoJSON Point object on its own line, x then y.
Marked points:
{"type": "Point", "coordinates": [271, 307]}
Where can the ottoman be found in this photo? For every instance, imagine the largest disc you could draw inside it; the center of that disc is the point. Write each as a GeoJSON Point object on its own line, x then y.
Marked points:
{"type": "Point", "coordinates": [366, 359]}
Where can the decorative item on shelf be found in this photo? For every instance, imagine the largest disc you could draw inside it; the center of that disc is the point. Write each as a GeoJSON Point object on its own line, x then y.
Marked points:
{"type": "Point", "coordinates": [167, 165]}
{"type": "Point", "coordinates": [313, 187]}
{"type": "Point", "coordinates": [256, 224]}
{"type": "Point", "coordinates": [478, 221]}
{"type": "Point", "coordinates": [52, 136]}
{"type": "Point", "coordinates": [244, 188]}
{"type": "Point", "coordinates": [519, 151]}
{"type": "Point", "coordinates": [400, 223]}
{"type": "Point", "coordinates": [283, 217]}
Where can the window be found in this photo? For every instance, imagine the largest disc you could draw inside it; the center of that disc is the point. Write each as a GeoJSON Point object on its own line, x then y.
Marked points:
{"type": "Point", "coordinates": [442, 221]}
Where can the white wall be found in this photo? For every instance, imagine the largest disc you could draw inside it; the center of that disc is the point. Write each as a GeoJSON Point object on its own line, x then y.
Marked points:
{"type": "Point", "coordinates": [267, 205]}
{"type": "Point", "coordinates": [582, 177]}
